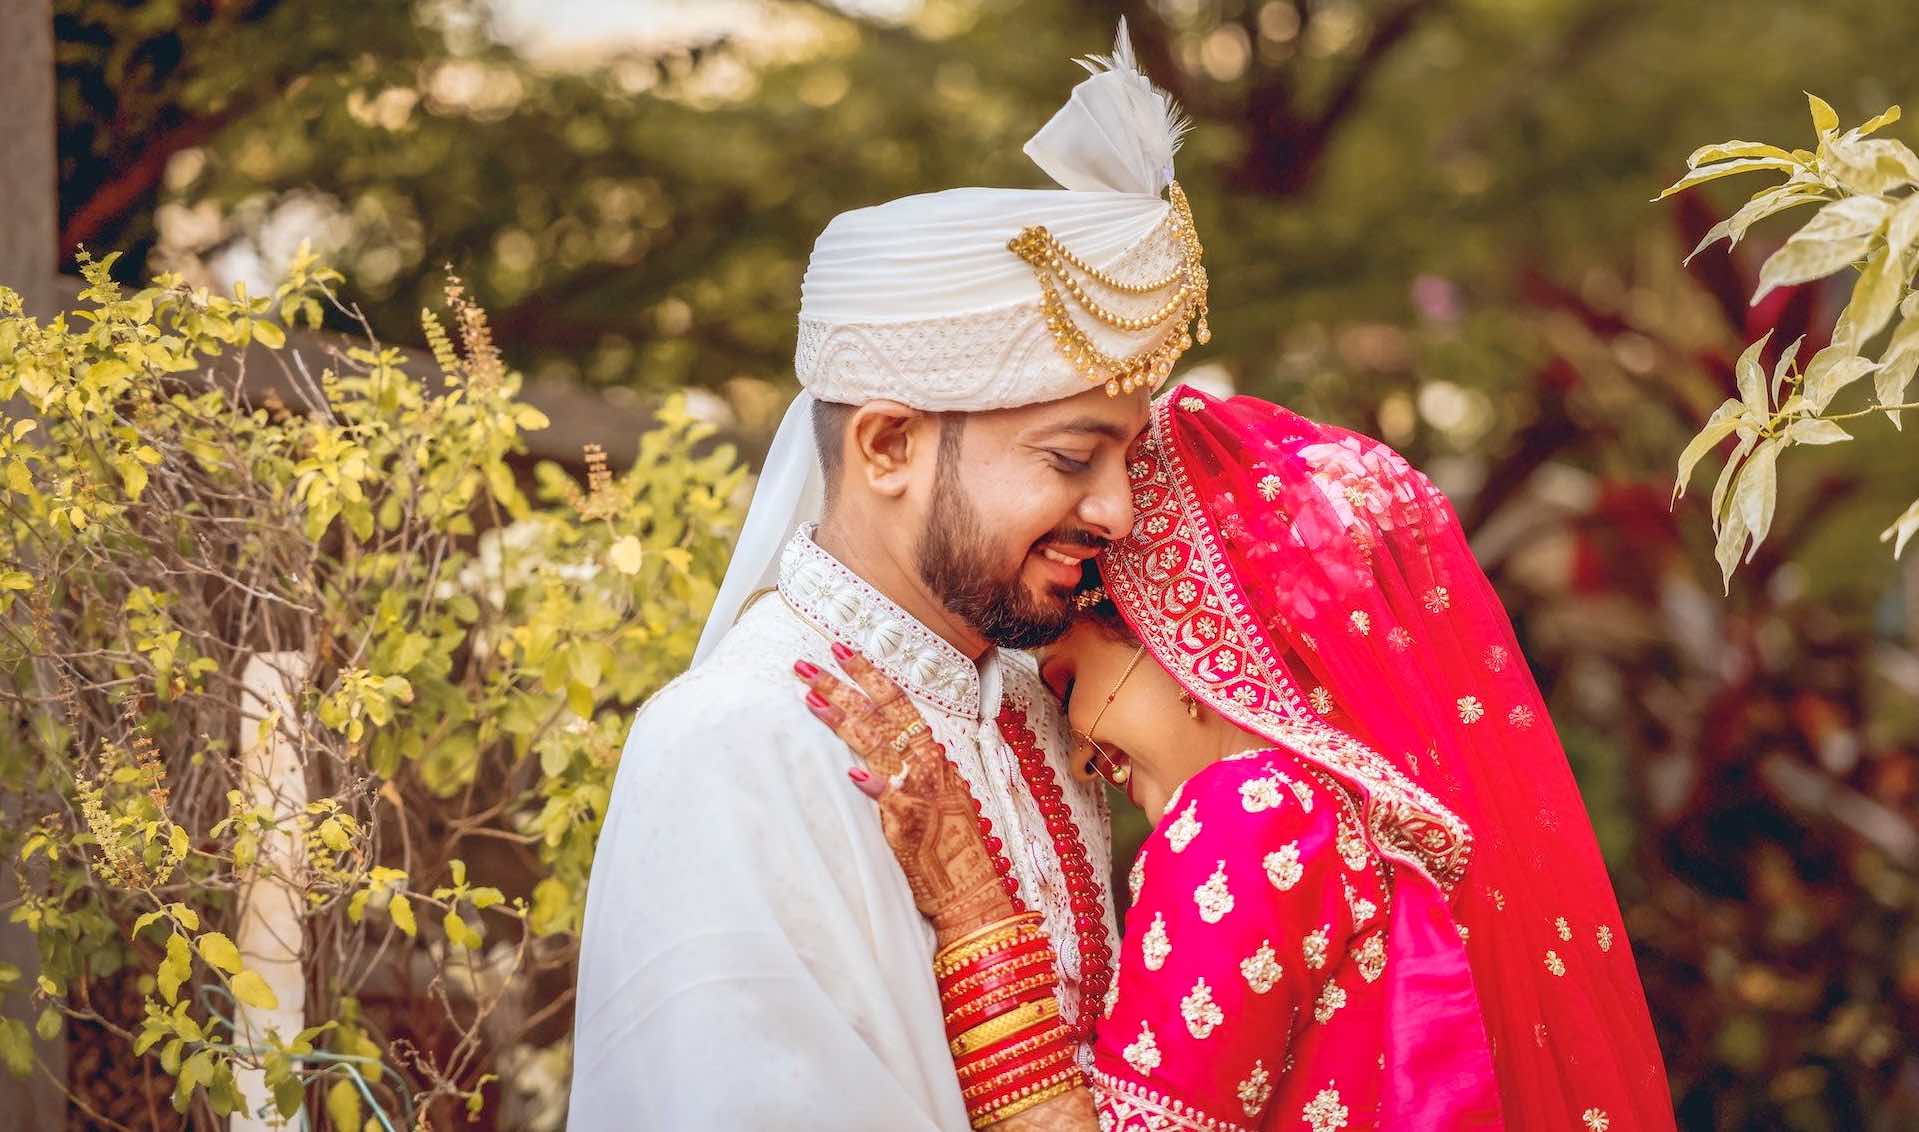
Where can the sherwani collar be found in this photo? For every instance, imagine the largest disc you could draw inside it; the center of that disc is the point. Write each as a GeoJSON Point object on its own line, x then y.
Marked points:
{"type": "Point", "coordinates": [847, 608]}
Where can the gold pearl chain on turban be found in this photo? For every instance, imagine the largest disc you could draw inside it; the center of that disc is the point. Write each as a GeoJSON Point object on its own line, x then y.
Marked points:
{"type": "Point", "coordinates": [1054, 266]}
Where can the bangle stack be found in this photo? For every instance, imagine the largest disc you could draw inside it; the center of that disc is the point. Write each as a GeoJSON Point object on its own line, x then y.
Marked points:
{"type": "Point", "coordinates": [1010, 1047]}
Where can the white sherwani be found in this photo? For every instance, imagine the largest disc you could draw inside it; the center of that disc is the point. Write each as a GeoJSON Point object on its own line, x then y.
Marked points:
{"type": "Point", "coordinates": [751, 957]}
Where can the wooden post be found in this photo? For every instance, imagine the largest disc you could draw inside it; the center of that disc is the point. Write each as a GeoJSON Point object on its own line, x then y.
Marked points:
{"type": "Point", "coordinates": [28, 217]}
{"type": "Point", "coordinates": [272, 940]}
{"type": "Point", "coordinates": [28, 231]}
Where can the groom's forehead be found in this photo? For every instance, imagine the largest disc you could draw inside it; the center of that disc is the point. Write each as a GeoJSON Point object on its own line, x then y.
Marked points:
{"type": "Point", "coordinates": [1096, 417]}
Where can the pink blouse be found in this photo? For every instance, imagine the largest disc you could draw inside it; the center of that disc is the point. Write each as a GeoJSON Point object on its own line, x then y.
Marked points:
{"type": "Point", "coordinates": [1249, 993]}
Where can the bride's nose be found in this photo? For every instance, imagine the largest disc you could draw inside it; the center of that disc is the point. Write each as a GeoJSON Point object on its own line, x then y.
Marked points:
{"type": "Point", "coordinates": [1081, 760]}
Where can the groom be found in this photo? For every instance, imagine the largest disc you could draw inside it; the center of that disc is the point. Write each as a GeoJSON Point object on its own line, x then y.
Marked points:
{"type": "Point", "coordinates": [975, 364]}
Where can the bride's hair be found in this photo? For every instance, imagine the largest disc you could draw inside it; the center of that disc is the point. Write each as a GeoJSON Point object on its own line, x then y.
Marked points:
{"type": "Point", "coordinates": [1092, 604]}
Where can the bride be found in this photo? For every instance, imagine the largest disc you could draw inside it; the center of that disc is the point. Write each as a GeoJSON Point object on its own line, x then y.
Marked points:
{"type": "Point", "coordinates": [1371, 897]}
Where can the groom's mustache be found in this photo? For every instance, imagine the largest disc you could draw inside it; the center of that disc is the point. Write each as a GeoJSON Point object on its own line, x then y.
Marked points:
{"type": "Point", "coordinates": [1077, 537]}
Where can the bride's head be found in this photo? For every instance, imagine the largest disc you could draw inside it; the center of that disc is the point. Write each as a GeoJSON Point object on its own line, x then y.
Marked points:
{"type": "Point", "coordinates": [1131, 723]}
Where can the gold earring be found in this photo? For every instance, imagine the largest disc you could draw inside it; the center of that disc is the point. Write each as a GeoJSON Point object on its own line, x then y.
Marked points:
{"type": "Point", "coordinates": [1192, 705]}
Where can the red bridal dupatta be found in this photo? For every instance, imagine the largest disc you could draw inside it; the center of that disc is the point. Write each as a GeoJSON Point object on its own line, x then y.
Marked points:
{"type": "Point", "coordinates": [1307, 583]}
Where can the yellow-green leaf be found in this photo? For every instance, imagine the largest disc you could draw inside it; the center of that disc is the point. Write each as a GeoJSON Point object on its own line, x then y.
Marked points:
{"type": "Point", "coordinates": [253, 990]}
{"type": "Point", "coordinates": [268, 334]}
{"type": "Point", "coordinates": [401, 909]}
{"type": "Point", "coordinates": [1726, 169]}
{"type": "Point", "coordinates": [343, 1105]}
{"type": "Point", "coordinates": [1724, 151]}
{"type": "Point", "coordinates": [626, 555]}
{"type": "Point", "coordinates": [1824, 118]}
{"type": "Point", "coordinates": [219, 952]}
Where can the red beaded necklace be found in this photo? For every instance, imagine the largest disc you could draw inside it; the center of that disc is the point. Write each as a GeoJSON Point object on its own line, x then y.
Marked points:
{"type": "Point", "coordinates": [1089, 922]}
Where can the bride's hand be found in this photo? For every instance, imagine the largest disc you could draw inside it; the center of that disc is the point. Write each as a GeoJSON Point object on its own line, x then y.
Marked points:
{"type": "Point", "coordinates": [926, 808]}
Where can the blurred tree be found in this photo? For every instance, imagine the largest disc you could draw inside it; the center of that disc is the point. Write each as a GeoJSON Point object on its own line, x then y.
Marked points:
{"type": "Point", "coordinates": [1424, 218]}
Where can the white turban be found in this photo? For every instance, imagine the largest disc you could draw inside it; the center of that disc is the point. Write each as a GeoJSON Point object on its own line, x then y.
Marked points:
{"type": "Point", "coordinates": [976, 299]}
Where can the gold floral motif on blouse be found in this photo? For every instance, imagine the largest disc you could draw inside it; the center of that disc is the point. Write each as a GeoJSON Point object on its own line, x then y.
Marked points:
{"type": "Point", "coordinates": [1213, 898]}
{"type": "Point", "coordinates": [1554, 963]}
{"type": "Point", "coordinates": [1202, 1014]}
{"type": "Point", "coordinates": [1315, 946]}
{"type": "Point", "coordinates": [1596, 1119]}
{"type": "Point", "coordinates": [1136, 876]}
{"type": "Point", "coordinates": [1255, 1090]}
{"type": "Point", "coordinates": [1324, 1112]}
{"type": "Point", "coordinates": [1352, 845]}
{"type": "Point", "coordinates": [1362, 909]}
{"type": "Point", "coordinates": [1257, 795]}
{"type": "Point", "coordinates": [1301, 791]}
{"type": "Point", "coordinates": [1283, 866]}
{"type": "Point", "coordinates": [1563, 928]}
{"type": "Point", "coordinates": [1143, 1054]}
{"type": "Point", "coordinates": [1332, 996]}
{"type": "Point", "coordinates": [1185, 827]}
{"type": "Point", "coordinates": [1605, 937]}
{"type": "Point", "coordinates": [1372, 957]}
{"type": "Point", "coordinates": [1154, 947]}
{"type": "Point", "coordinates": [1261, 969]}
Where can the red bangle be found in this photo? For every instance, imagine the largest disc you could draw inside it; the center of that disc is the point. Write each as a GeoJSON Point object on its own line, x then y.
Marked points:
{"type": "Point", "coordinates": [975, 974]}
{"type": "Point", "coordinates": [1039, 1078]}
{"type": "Point", "coordinates": [1039, 1029]}
{"type": "Point", "coordinates": [1029, 980]}
{"type": "Point", "coordinates": [985, 1010]}
{"type": "Point", "coordinates": [1016, 1073]}
{"type": "Point", "coordinates": [971, 1069]}
{"type": "Point", "coordinates": [985, 961]}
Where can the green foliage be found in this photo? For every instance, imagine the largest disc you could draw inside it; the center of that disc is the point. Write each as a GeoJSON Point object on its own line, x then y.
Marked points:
{"type": "Point", "coordinates": [472, 643]}
{"type": "Point", "coordinates": [1867, 190]}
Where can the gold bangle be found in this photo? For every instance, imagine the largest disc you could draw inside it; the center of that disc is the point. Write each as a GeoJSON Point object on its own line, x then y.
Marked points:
{"type": "Point", "coordinates": [1000, 994]}
{"type": "Point", "coordinates": [1072, 1080]}
{"type": "Point", "coordinates": [1030, 959]}
{"type": "Point", "coordinates": [985, 930]}
{"type": "Point", "coordinates": [998, 1081]}
{"type": "Point", "coordinates": [994, 1060]}
{"type": "Point", "coordinates": [1009, 1023]}
{"type": "Point", "coordinates": [945, 966]}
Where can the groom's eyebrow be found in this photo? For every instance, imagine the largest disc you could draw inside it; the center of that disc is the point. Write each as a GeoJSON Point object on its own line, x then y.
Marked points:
{"type": "Point", "coordinates": [1111, 430]}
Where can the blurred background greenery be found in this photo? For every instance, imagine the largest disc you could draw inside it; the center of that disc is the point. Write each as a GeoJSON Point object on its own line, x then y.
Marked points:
{"type": "Point", "coordinates": [1425, 219]}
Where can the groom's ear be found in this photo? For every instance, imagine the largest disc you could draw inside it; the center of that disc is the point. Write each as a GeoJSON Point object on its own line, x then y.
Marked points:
{"type": "Point", "coordinates": [885, 440]}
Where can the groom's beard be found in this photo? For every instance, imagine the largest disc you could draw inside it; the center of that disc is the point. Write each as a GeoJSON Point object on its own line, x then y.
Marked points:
{"type": "Point", "coordinates": [957, 561]}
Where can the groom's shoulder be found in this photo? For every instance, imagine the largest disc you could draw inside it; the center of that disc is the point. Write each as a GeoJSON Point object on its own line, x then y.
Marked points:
{"type": "Point", "coordinates": [747, 684]}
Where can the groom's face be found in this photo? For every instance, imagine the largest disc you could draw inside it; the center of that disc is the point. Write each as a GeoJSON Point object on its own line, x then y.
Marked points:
{"type": "Point", "coordinates": [1020, 499]}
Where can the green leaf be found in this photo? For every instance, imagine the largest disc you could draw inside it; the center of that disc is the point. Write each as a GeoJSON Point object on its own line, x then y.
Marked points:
{"type": "Point", "coordinates": [189, 919]}
{"type": "Point", "coordinates": [1768, 203]}
{"type": "Point", "coordinates": [49, 1024]}
{"type": "Point", "coordinates": [626, 555]}
{"type": "Point", "coordinates": [1724, 151]}
{"type": "Point", "coordinates": [1837, 236]}
{"type": "Point", "coordinates": [219, 952]}
{"type": "Point", "coordinates": [1752, 379]}
{"type": "Point", "coordinates": [16, 1048]}
{"type": "Point", "coordinates": [1726, 169]}
{"type": "Point", "coordinates": [343, 1105]}
{"type": "Point", "coordinates": [1783, 367]}
{"type": "Point", "coordinates": [1900, 361]}
{"type": "Point", "coordinates": [253, 990]}
{"type": "Point", "coordinates": [1718, 427]}
{"type": "Point", "coordinates": [289, 1095]}
{"type": "Point", "coordinates": [1875, 124]}
{"type": "Point", "coordinates": [1731, 544]}
{"type": "Point", "coordinates": [1747, 438]}
{"type": "Point", "coordinates": [485, 896]}
{"type": "Point", "coordinates": [1831, 370]}
{"type": "Point", "coordinates": [1824, 118]}
{"type": "Point", "coordinates": [401, 909]}
{"type": "Point", "coordinates": [268, 334]}
{"type": "Point", "coordinates": [1757, 493]}
{"type": "Point", "coordinates": [457, 931]}
{"type": "Point", "coordinates": [1816, 431]}
{"type": "Point", "coordinates": [1874, 297]}
{"type": "Point", "coordinates": [333, 836]}
{"type": "Point", "coordinates": [1902, 529]}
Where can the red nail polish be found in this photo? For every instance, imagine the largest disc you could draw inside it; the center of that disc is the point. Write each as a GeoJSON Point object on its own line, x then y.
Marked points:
{"type": "Point", "coordinates": [816, 701]}
{"type": "Point", "coordinates": [859, 774]}
{"type": "Point", "coordinates": [841, 651]}
{"type": "Point", "coordinates": [805, 670]}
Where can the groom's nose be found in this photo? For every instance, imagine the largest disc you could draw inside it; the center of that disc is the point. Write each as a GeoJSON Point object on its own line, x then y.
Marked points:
{"type": "Point", "coordinates": [1108, 508]}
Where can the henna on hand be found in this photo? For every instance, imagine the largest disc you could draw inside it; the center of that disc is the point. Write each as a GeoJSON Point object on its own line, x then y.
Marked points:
{"type": "Point", "coordinates": [927, 810]}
